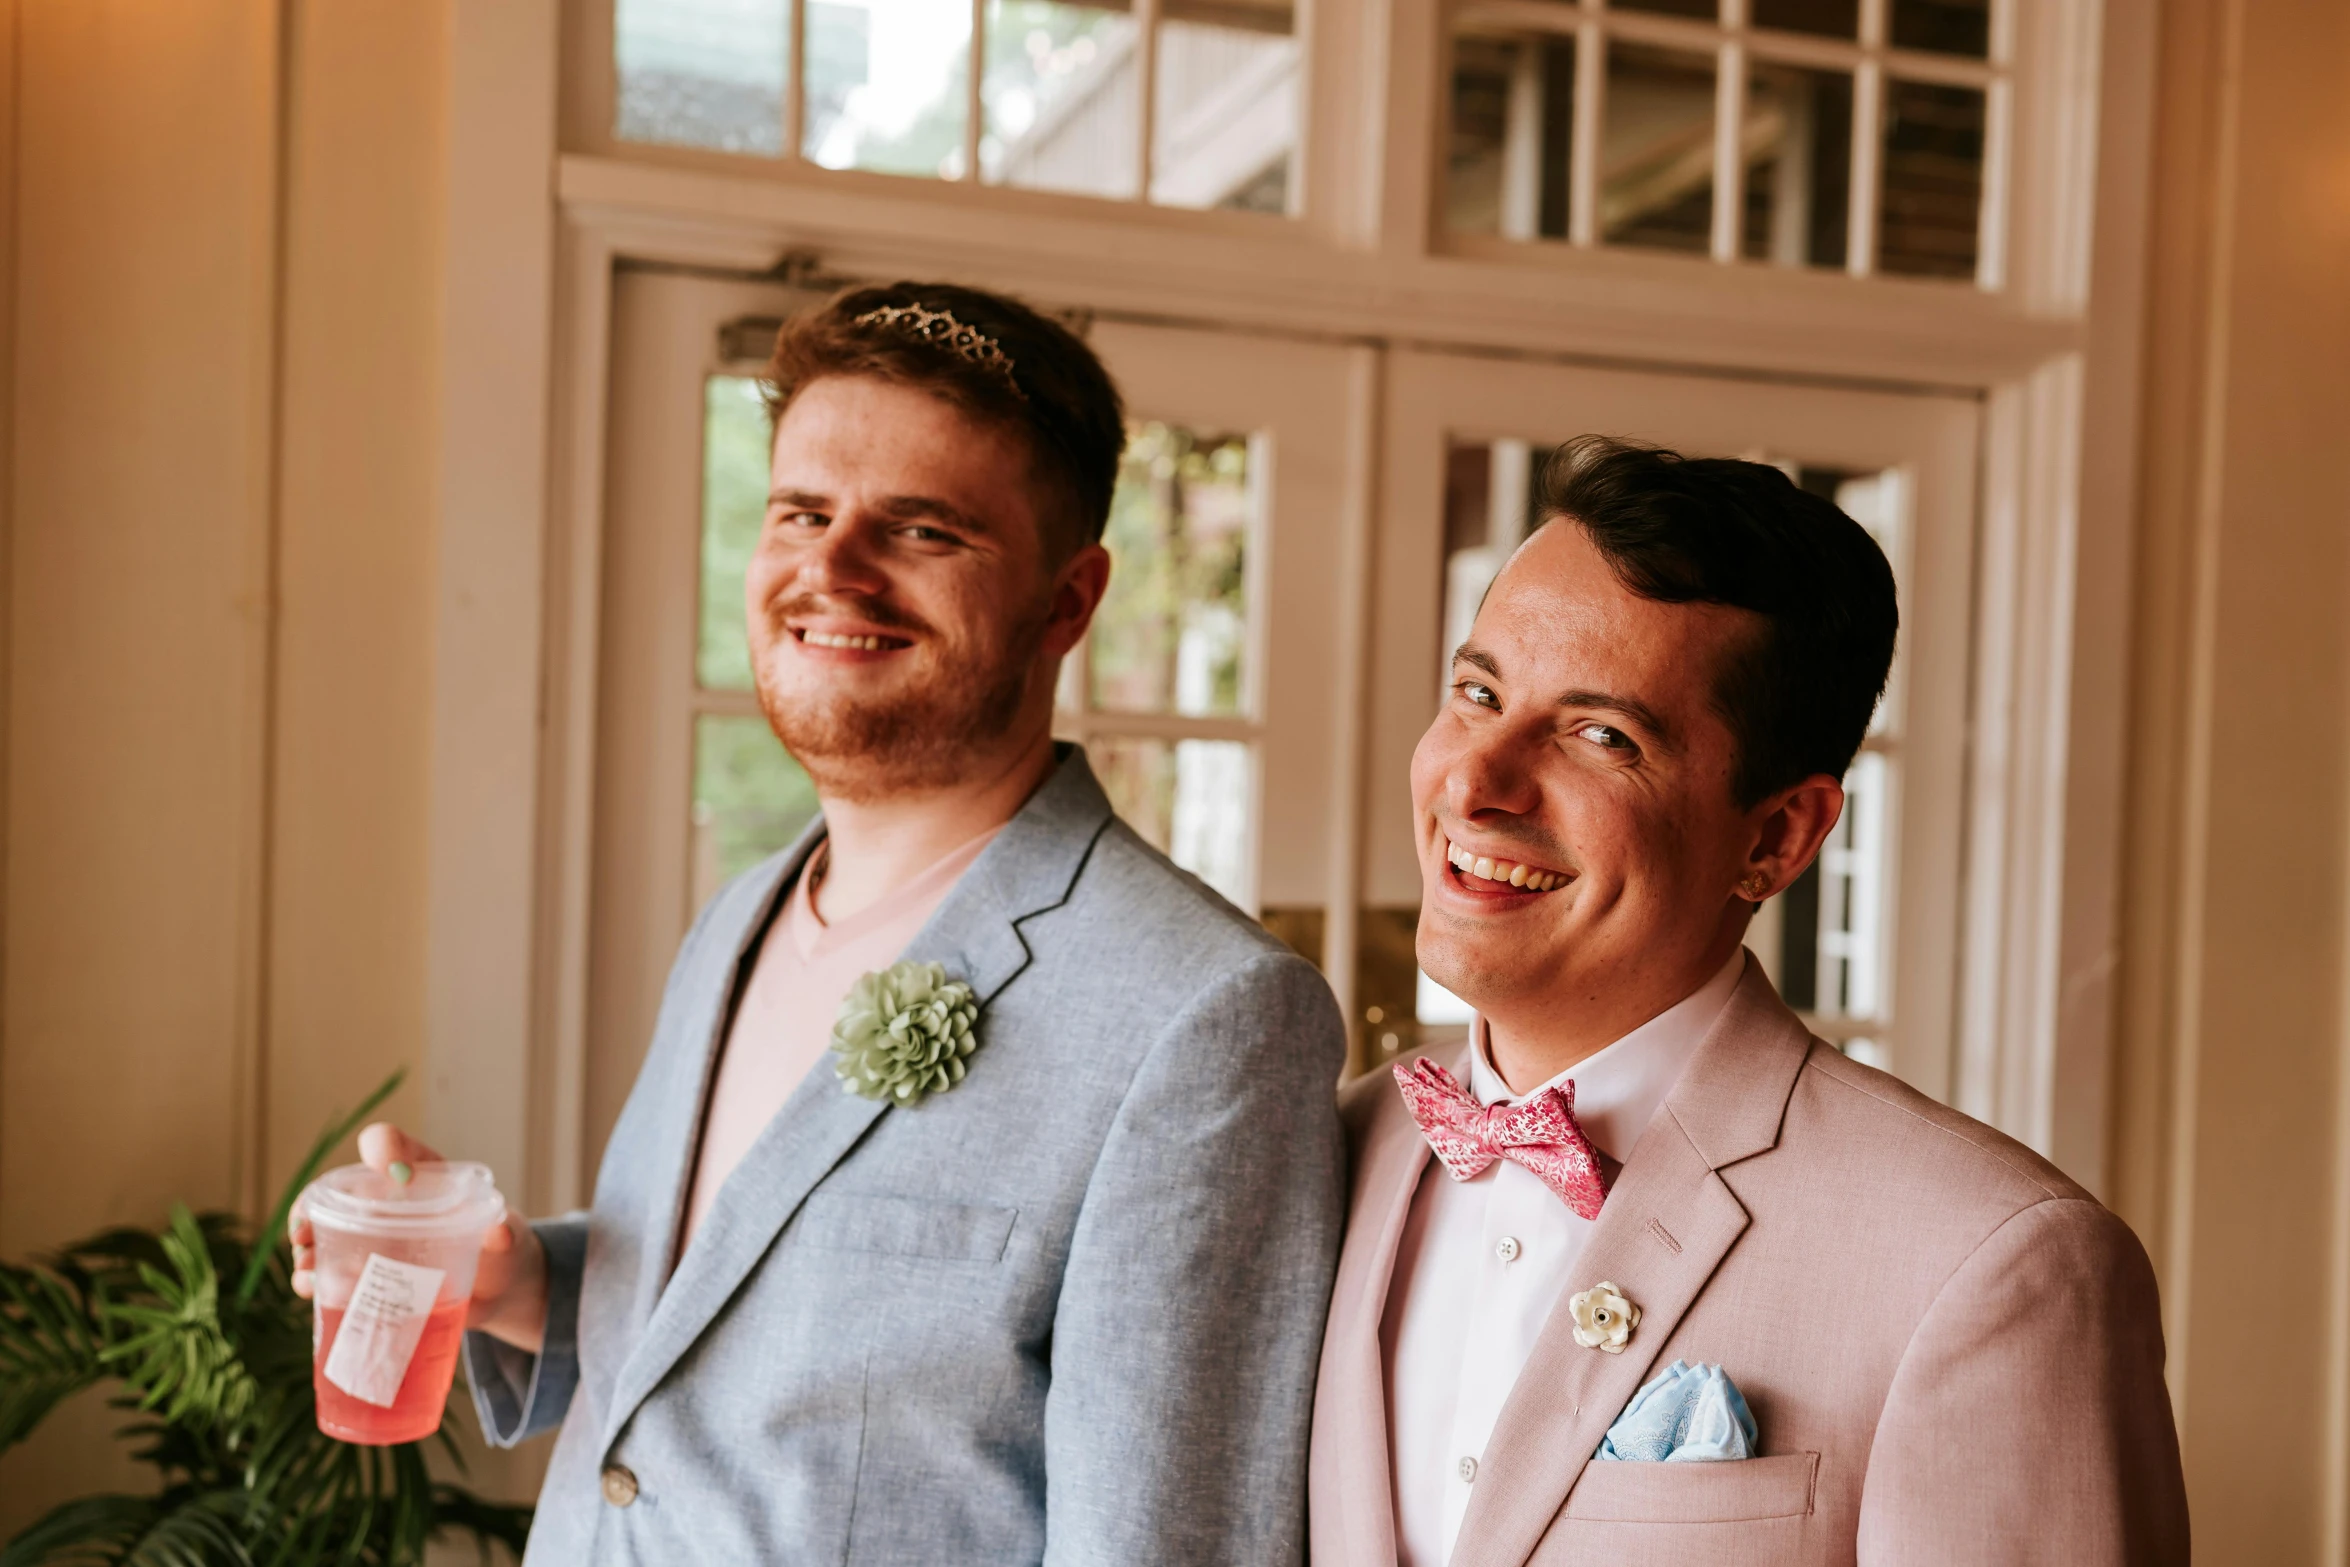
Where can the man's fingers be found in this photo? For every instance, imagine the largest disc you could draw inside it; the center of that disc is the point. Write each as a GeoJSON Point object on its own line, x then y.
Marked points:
{"type": "Point", "coordinates": [500, 1237]}
{"type": "Point", "coordinates": [383, 1145]}
{"type": "Point", "coordinates": [304, 1282]}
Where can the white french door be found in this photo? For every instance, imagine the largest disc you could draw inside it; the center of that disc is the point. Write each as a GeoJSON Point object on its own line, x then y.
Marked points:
{"type": "Point", "coordinates": [1202, 694]}
{"type": "Point", "coordinates": [1866, 944]}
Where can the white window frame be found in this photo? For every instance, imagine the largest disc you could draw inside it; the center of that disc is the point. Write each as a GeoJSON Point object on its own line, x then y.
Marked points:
{"type": "Point", "coordinates": [534, 232]}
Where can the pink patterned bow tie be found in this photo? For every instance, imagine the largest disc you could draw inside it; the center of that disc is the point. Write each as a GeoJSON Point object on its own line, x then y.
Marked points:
{"type": "Point", "coordinates": [1540, 1134]}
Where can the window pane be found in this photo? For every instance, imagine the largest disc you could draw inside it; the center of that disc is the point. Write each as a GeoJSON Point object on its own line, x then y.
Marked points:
{"type": "Point", "coordinates": [1852, 896]}
{"type": "Point", "coordinates": [1059, 92]}
{"type": "Point", "coordinates": [1226, 110]}
{"type": "Point", "coordinates": [1191, 798]}
{"type": "Point", "coordinates": [702, 73]}
{"type": "Point", "coordinates": [1513, 117]}
{"type": "Point", "coordinates": [1657, 152]}
{"type": "Point", "coordinates": [888, 85]}
{"type": "Point", "coordinates": [734, 503]}
{"type": "Point", "coordinates": [1933, 180]}
{"type": "Point", "coordinates": [750, 799]}
{"type": "Point", "coordinates": [1946, 26]}
{"type": "Point", "coordinates": [1830, 923]}
{"type": "Point", "coordinates": [1799, 166]}
{"type": "Point", "coordinates": [1172, 632]}
{"type": "Point", "coordinates": [1828, 18]}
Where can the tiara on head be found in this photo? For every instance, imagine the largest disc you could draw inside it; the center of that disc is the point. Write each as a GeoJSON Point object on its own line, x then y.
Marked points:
{"type": "Point", "coordinates": [940, 327]}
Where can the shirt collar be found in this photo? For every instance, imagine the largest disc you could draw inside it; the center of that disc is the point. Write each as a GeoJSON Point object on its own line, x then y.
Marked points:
{"type": "Point", "coordinates": [1617, 1089]}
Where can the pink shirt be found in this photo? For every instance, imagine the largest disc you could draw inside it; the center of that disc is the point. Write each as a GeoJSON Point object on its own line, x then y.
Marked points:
{"type": "Point", "coordinates": [1482, 1263]}
{"type": "Point", "coordinates": [784, 1025]}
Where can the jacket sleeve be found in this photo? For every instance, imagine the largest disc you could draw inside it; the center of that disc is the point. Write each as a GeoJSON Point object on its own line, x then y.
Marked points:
{"type": "Point", "coordinates": [518, 1394]}
{"type": "Point", "coordinates": [1190, 1318]}
{"type": "Point", "coordinates": [2028, 1421]}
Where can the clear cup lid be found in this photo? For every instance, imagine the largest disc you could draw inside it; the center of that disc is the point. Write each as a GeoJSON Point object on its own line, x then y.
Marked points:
{"type": "Point", "coordinates": [438, 1199]}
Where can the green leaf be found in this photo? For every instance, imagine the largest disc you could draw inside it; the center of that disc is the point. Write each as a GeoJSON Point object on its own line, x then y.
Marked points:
{"type": "Point", "coordinates": [197, 1530]}
{"type": "Point", "coordinates": [49, 1347]}
{"type": "Point", "coordinates": [265, 1243]}
{"type": "Point", "coordinates": [170, 1346]}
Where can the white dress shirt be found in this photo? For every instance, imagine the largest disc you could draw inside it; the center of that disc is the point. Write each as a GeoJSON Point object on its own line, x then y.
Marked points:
{"type": "Point", "coordinates": [1483, 1262]}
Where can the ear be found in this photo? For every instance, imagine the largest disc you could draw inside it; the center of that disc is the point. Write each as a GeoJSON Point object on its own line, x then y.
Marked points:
{"type": "Point", "coordinates": [1076, 593]}
{"type": "Point", "coordinates": [1789, 828]}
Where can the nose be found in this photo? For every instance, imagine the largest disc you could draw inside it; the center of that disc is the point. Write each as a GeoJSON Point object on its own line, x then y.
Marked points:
{"type": "Point", "coordinates": [1486, 776]}
{"type": "Point", "coordinates": [840, 559]}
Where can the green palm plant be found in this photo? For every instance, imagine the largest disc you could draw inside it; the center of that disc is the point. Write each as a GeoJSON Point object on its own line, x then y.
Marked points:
{"type": "Point", "coordinates": [199, 1325]}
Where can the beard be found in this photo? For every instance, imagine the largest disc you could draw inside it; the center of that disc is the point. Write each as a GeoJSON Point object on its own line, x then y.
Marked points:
{"type": "Point", "coordinates": [921, 736]}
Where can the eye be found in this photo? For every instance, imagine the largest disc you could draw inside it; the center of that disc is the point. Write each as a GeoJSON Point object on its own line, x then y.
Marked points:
{"type": "Point", "coordinates": [1606, 736]}
{"type": "Point", "coordinates": [923, 533]}
{"type": "Point", "coordinates": [800, 519]}
{"type": "Point", "coordinates": [1480, 693]}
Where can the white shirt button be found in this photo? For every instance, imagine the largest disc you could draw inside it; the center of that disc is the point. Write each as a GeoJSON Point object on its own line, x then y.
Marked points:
{"type": "Point", "coordinates": [1469, 1471]}
{"type": "Point", "coordinates": [1509, 1248]}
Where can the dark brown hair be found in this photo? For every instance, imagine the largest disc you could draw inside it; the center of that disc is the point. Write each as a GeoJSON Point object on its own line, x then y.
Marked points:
{"type": "Point", "coordinates": [1708, 530]}
{"type": "Point", "coordinates": [1053, 390]}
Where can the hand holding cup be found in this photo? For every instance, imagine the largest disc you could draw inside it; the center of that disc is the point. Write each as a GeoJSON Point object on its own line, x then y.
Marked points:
{"type": "Point", "coordinates": [509, 1300]}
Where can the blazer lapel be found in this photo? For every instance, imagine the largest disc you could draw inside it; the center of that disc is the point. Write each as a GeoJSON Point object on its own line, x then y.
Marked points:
{"type": "Point", "coordinates": [678, 1135]}
{"type": "Point", "coordinates": [1668, 1223]}
{"type": "Point", "coordinates": [1354, 1490]}
{"type": "Point", "coordinates": [975, 932]}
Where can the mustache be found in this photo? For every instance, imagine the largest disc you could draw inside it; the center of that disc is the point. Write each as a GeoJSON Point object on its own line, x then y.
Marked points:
{"type": "Point", "coordinates": [877, 612]}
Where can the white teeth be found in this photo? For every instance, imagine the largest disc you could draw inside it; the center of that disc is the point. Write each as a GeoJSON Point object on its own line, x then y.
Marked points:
{"type": "Point", "coordinates": [829, 639]}
{"type": "Point", "coordinates": [1507, 872]}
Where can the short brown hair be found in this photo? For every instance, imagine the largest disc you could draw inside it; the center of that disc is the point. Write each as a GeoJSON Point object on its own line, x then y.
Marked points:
{"type": "Point", "coordinates": [1048, 384]}
{"type": "Point", "coordinates": [1712, 530]}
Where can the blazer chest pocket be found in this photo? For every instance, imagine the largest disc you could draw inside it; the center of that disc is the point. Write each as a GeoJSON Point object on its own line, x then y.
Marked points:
{"type": "Point", "coordinates": [905, 1227]}
{"type": "Point", "coordinates": [1732, 1491]}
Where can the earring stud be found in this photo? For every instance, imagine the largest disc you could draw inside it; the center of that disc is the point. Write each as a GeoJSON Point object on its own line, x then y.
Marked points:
{"type": "Point", "coordinates": [1755, 888]}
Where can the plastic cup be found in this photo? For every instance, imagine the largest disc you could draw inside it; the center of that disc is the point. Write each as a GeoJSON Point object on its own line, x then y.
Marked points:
{"type": "Point", "coordinates": [394, 1275]}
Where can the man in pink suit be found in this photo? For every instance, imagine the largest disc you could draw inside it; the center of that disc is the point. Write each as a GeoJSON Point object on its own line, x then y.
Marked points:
{"type": "Point", "coordinates": [1647, 1273]}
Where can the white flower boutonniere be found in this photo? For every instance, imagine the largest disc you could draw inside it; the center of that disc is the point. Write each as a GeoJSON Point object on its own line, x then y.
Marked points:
{"type": "Point", "coordinates": [1604, 1319]}
{"type": "Point", "coordinates": [903, 1032]}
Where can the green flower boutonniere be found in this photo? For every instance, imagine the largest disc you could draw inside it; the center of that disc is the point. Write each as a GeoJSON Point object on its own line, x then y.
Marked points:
{"type": "Point", "coordinates": [904, 1032]}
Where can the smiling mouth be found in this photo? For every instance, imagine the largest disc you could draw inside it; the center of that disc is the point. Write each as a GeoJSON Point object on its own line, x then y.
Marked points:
{"type": "Point", "coordinates": [853, 644]}
{"type": "Point", "coordinates": [1501, 874]}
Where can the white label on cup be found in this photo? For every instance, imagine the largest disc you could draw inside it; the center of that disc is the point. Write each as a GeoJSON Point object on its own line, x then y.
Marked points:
{"type": "Point", "coordinates": [381, 1328]}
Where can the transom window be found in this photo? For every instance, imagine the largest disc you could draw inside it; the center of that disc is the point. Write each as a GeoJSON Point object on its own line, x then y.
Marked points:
{"type": "Point", "coordinates": [1862, 136]}
{"type": "Point", "coordinates": [1186, 103]}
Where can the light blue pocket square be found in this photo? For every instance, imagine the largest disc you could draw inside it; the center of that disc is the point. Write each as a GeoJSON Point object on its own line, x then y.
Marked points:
{"type": "Point", "coordinates": [1684, 1414]}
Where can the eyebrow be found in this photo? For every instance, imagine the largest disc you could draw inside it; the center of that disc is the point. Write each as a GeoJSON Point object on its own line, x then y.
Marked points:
{"type": "Point", "coordinates": [894, 506]}
{"type": "Point", "coordinates": [1631, 707]}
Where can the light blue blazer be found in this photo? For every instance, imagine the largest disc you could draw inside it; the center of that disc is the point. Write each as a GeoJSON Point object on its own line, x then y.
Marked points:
{"type": "Point", "coordinates": [1067, 1312]}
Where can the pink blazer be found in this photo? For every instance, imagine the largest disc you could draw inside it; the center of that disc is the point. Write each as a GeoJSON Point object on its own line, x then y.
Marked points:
{"type": "Point", "coordinates": [1953, 1353]}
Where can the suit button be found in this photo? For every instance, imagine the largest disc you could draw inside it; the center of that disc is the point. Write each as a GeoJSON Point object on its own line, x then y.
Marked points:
{"type": "Point", "coordinates": [619, 1485]}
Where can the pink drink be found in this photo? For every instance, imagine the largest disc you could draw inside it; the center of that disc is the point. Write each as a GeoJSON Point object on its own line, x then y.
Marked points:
{"type": "Point", "coordinates": [395, 1263]}
{"type": "Point", "coordinates": [415, 1412]}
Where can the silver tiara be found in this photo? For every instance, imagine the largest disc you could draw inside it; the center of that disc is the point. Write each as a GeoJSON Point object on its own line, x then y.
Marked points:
{"type": "Point", "coordinates": [940, 327]}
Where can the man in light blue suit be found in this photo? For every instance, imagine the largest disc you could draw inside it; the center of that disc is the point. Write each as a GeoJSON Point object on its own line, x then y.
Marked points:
{"type": "Point", "coordinates": [1057, 1293]}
